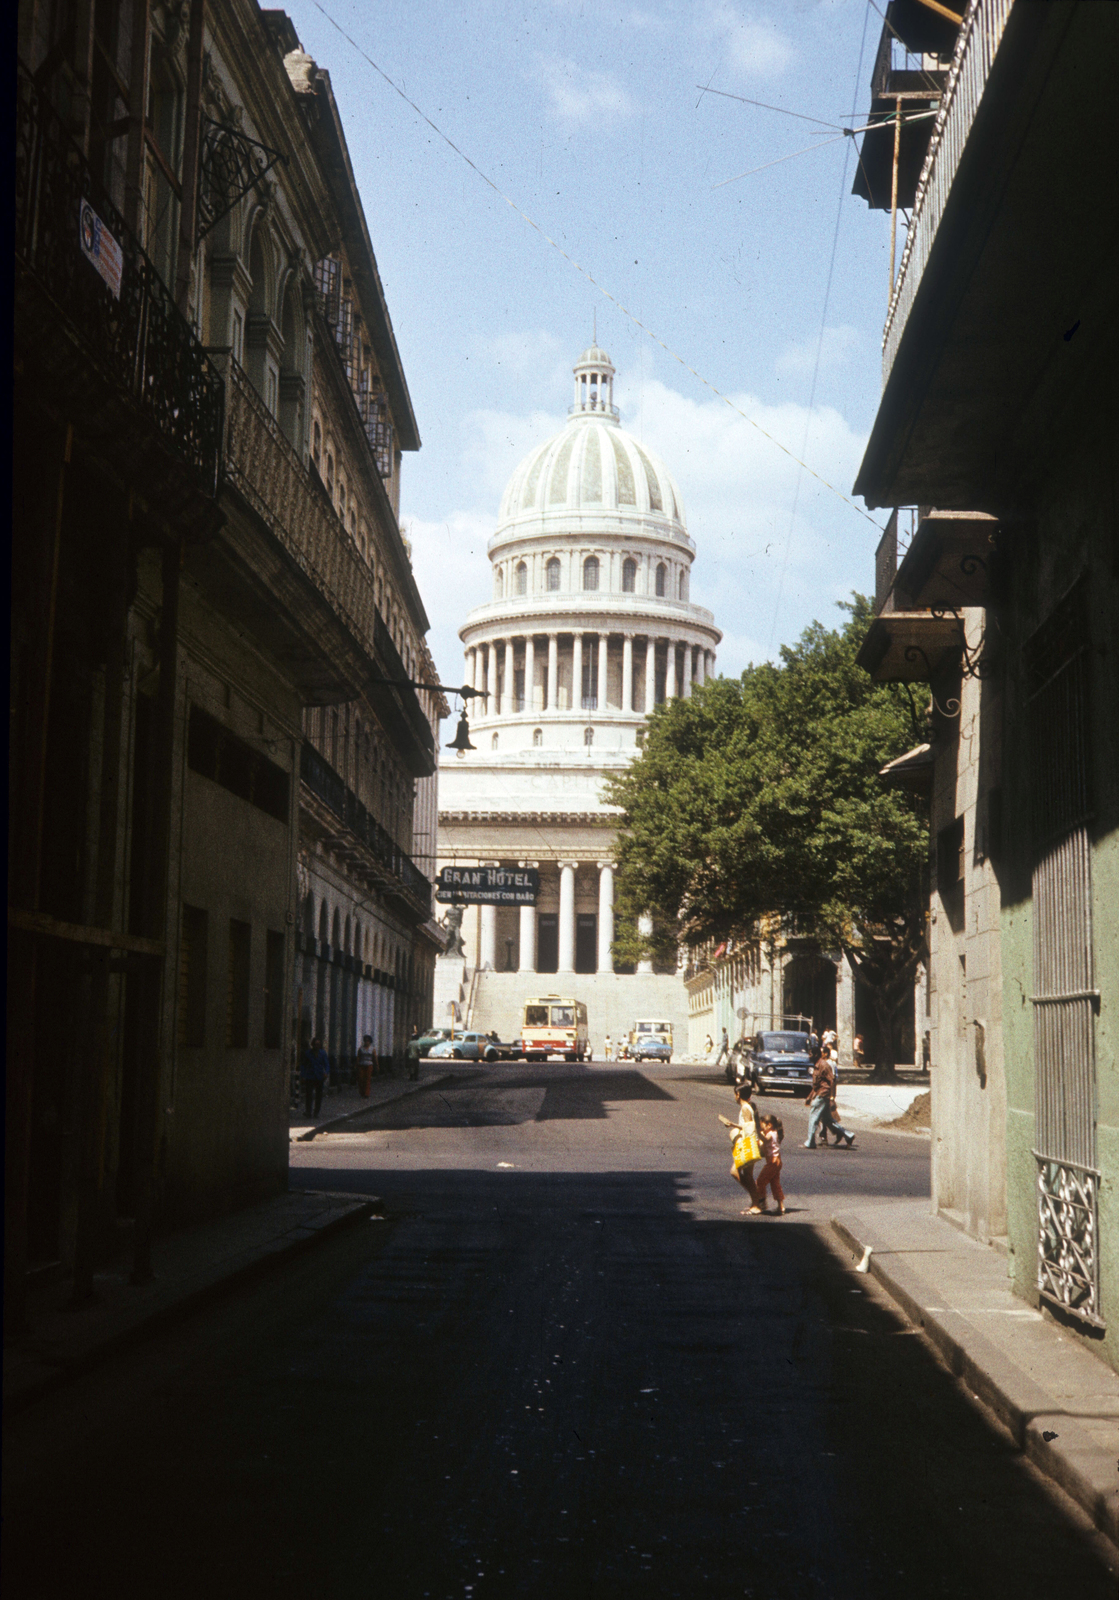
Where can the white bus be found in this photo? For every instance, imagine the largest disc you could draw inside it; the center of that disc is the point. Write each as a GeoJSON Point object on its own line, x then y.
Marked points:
{"type": "Point", "coordinates": [555, 1026]}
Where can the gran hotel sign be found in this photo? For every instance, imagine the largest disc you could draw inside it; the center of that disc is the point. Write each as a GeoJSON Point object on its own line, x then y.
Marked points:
{"type": "Point", "coordinates": [488, 886]}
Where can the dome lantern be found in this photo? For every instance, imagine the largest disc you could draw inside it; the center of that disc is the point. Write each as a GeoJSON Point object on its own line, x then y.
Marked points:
{"type": "Point", "coordinates": [594, 385]}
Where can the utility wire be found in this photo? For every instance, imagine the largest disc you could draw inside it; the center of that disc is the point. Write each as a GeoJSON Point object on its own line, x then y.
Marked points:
{"type": "Point", "coordinates": [819, 348]}
{"type": "Point", "coordinates": [513, 206]}
{"type": "Point", "coordinates": [706, 89]}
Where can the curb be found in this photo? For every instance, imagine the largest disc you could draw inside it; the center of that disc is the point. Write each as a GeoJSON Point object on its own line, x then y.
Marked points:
{"type": "Point", "coordinates": [406, 1090]}
{"type": "Point", "coordinates": [62, 1371]}
{"type": "Point", "coordinates": [1020, 1404]}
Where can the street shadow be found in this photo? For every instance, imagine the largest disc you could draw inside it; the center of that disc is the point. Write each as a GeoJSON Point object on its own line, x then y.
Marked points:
{"type": "Point", "coordinates": [508, 1098]}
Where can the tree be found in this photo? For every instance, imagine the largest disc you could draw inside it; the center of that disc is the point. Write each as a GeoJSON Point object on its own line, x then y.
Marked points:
{"type": "Point", "coordinates": [762, 795]}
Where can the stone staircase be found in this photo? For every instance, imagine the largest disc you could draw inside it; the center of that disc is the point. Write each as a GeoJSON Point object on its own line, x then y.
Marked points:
{"type": "Point", "coordinates": [613, 1002]}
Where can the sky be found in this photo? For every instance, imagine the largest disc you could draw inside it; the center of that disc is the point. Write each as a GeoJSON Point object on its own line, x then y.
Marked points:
{"type": "Point", "coordinates": [601, 123]}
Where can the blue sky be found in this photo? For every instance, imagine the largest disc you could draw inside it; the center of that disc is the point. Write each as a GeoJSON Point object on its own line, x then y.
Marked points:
{"type": "Point", "coordinates": [590, 117]}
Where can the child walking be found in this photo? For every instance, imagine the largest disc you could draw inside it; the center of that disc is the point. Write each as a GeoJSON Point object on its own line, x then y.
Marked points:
{"type": "Point", "coordinates": [770, 1176]}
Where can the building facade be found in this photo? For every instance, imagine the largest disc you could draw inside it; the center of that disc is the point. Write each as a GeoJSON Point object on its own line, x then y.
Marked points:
{"type": "Point", "coordinates": [185, 587]}
{"type": "Point", "coordinates": [997, 427]}
{"type": "Point", "coordinates": [590, 627]}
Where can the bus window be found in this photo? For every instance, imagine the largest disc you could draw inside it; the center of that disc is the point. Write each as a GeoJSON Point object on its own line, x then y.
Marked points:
{"type": "Point", "coordinates": [582, 1012]}
{"type": "Point", "coordinates": [563, 1016]}
{"type": "Point", "coordinates": [536, 1016]}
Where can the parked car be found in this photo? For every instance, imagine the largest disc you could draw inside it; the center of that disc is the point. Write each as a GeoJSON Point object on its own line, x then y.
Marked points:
{"type": "Point", "coordinates": [780, 1061]}
{"type": "Point", "coordinates": [472, 1047]}
{"type": "Point", "coordinates": [427, 1041]}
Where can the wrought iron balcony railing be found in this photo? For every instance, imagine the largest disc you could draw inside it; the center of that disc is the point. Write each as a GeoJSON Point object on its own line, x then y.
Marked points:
{"type": "Point", "coordinates": [321, 778]}
{"type": "Point", "coordinates": [976, 47]}
{"type": "Point", "coordinates": [138, 340]}
{"type": "Point", "coordinates": [266, 469]}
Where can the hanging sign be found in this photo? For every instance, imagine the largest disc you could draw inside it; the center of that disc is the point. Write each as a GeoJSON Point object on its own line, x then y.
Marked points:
{"type": "Point", "coordinates": [488, 886]}
{"type": "Point", "coordinates": [99, 247]}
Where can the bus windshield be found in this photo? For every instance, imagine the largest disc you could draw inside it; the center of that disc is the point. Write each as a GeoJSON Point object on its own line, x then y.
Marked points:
{"type": "Point", "coordinates": [563, 1016]}
{"type": "Point", "coordinates": [536, 1016]}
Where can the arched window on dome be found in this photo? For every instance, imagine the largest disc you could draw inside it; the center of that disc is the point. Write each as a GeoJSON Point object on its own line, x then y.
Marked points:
{"type": "Point", "coordinates": [552, 575]}
{"type": "Point", "coordinates": [590, 573]}
{"type": "Point", "coordinates": [662, 575]}
{"type": "Point", "coordinates": [498, 583]}
{"type": "Point", "coordinates": [588, 737]}
{"type": "Point", "coordinates": [493, 741]}
{"type": "Point", "coordinates": [522, 577]}
{"type": "Point", "coordinates": [682, 584]}
{"type": "Point", "coordinates": [629, 575]}
{"type": "Point", "coordinates": [537, 737]}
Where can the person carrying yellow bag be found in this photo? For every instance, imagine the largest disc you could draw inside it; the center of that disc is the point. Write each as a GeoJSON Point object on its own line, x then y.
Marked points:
{"type": "Point", "coordinates": [744, 1135]}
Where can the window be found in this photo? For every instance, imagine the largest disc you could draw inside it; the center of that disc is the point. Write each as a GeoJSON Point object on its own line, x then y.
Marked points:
{"type": "Point", "coordinates": [522, 578]}
{"type": "Point", "coordinates": [237, 1002]}
{"type": "Point", "coordinates": [493, 742]}
{"type": "Point", "coordinates": [590, 573]}
{"type": "Point", "coordinates": [537, 737]}
{"type": "Point", "coordinates": [316, 448]}
{"type": "Point", "coordinates": [192, 978]}
{"type": "Point", "coordinates": [238, 337]}
{"type": "Point", "coordinates": [273, 989]}
{"type": "Point", "coordinates": [552, 575]}
{"type": "Point", "coordinates": [629, 575]}
{"type": "Point", "coordinates": [272, 390]}
{"type": "Point", "coordinates": [682, 585]}
{"type": "Point", "coordinates": [588, 736]}
{"type": "Point", "coordinates": [661, 576]}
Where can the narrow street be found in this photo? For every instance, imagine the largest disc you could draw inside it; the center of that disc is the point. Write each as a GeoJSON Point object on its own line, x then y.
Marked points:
{"type": "Point", "coordinates": [563, 1364]}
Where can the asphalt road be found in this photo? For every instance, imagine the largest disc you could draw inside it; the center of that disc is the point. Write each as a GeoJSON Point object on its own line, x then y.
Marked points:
{"type": "Point", "coordinates": [565, 1364]}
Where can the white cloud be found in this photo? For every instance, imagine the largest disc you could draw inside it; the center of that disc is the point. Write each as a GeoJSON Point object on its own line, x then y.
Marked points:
{"type": "Point", "coordinates": [799, 358]}
{"type": "Point", "coordinates": [579, 96]}
{"type": "Point", "coordinates": [749, 47]}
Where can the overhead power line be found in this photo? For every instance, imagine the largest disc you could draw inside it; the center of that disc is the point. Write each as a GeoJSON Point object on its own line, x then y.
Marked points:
{"type": "Point", "coordinates": [602, 290]}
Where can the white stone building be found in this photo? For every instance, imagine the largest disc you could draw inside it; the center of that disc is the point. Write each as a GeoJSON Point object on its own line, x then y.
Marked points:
{"type": "Point", "coordinates": [590, 626]}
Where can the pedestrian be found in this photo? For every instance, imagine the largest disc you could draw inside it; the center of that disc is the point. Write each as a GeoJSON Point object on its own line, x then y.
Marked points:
{"type": "Point", "coordinates": [724, 1050]}
{"type": "Point", "coordinates": [770, 1176]}
{"type": "Point", "coordinates": [813, 1046]}
{"type": "Point", "coordinates": [608, 1049]}
{"type": "Point", "coordinates": [314, 1069]}
{"type": "Point", "coordinates": [744, 1138]}
{"type": "Point", "coordinates": [708, 1046]}
{"type": "Point", "coordinates": [820, 1099]}
{"type": "Point", "coordinates": [412, 1055]}
{"type": "Point", "coordinates": [366, 1061]}
{"type": "Point", "coordinates": [858, 1052]}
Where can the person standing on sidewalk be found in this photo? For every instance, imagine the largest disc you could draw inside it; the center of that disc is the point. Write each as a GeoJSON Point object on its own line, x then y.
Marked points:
{"type": "Point", "coordinates": [366, 1060]}
{"type": "Point", "coordinates": [314, 1070]}
{"type": "Point", "coordinates": [412, 1055]}
{"type": "Point", "coordinates": [819, 1098]}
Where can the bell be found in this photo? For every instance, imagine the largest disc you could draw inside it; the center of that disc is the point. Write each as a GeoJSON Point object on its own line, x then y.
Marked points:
{"type": "Point", "coordinates": [461, 740]}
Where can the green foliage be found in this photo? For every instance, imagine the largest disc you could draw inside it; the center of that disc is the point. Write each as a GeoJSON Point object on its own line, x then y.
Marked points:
{"type": "Point", "coordinates": [763, 795]}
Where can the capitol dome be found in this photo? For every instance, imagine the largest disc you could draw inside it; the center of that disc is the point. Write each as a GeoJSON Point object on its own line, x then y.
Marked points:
{"type": "Point", "coordinates": [592, 467]}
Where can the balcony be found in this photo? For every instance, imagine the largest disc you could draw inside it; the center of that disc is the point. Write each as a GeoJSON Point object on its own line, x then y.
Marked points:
{"type": "Point", "coordinates": [268, 473]}
{"type": "Point", "coordinates": [390, 868]}
{"type": "Point", "coordinates": [126, 364]}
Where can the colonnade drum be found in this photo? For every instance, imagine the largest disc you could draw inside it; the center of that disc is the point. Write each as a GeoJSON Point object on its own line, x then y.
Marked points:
{"type": "Point", "coordinates": [569, 930]}
{"type": "Point", "coordinates": [578, 671]}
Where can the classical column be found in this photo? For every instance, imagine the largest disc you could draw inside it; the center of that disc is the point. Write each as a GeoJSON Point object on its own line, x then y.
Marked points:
{"type": "Point", "coordinates": [701, 666]}
{"type": "Point", "coordinates": [487, 959]}
{"type": "Point", "coordinates": [567, 917]}
{"type": "Point", "coordinates": [527, 958]}
{"type": "Point", "coordinates": [577, 672]}
{"type": "Point", "coordinates": [530, 672]}
{"type": "Point", "coordinates": [670, 675]}
{"type": "Point", "coordinates": [553, 670]}
{"type": "Point", "coordinates": [605, 915]}
{"type": "Point", "coordinates": [650, 674]}
{"type": "Point", "coordinates": [509, 701]}
{"type": "Point", "coordinates": [603, 657]}
{"type": "Point", "coordinates": [687, 671]}
{"type": "Point", "coordinates": [491, 681]}
{"type": "Point", "coordinates": [627, 672]}
{"type": "Point", "coordinates": [645, 928]}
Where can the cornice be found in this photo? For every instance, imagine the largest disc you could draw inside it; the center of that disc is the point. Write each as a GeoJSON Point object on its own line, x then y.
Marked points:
{"type": "Point", "coordinates": [553, 614]}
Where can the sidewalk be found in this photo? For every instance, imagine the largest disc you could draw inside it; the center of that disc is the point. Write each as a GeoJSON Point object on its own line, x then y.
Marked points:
{"type": "Point", "coordinates": [1060, 1402]}
{"type": "Point", "coordinates": [340, 1105]}
{"type": "Point", "coordinates": [192, 1267]}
